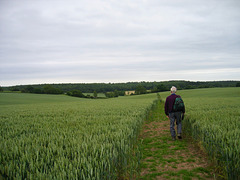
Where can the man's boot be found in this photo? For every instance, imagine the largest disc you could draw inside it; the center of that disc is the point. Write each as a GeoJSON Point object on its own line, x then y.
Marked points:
{"type": "Point", "coordinates": [179, 136]}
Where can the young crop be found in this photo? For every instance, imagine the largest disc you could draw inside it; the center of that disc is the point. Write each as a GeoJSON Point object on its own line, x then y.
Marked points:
{"type": "Point", "coordinates": [69, 138]}
{"type": "Point", "coordinates": [213, 117]}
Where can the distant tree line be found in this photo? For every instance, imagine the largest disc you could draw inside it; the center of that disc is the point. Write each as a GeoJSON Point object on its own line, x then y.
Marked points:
{"type": "Point", "coordinates": [47, 89]}
{"type": "Point", "coordinates": [116, 89]}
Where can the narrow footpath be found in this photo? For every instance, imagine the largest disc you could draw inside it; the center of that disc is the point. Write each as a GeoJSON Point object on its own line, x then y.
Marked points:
{"type": "Point", "coordinates": [164, 158]}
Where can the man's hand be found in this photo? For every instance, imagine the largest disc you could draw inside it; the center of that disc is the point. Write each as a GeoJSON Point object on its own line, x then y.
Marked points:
{"type": "Point", "coordinates": [183, 116]}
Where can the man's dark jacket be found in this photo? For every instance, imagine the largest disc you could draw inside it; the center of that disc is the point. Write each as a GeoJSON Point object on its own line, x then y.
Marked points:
{"type": "Point", "coordinates": [169, 104]}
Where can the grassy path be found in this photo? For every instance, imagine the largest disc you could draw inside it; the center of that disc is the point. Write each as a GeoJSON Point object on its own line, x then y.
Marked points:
{"type": "Point", "coordinates": [167, 159]}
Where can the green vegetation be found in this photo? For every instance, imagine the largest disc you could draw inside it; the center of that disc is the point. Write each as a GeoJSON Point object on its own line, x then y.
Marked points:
{"type": "Point", "coordinates": [111, 87]}
{"type": "Point", "coordinates": [15, 99]}
{"type": "Point", "coordinates": [62, 137]}
{"type": "Point", "coordinates": [213, 118]}
{"type": "Point", "coordinates": [76, 93]}
{"type": "Point", "coordinates": [99, 95]}
{"type": "Point", "coordinates": [163, 158]}
{"type": "Point", "coordinates": [140, 89]}
{"type": "Point", "coordinates": [116, 93]}
{"type": "Point", "coordinates": [46, 89]}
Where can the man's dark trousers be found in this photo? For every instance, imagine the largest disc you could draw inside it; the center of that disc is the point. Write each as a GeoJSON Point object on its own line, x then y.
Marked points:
{"type": "Point", "coordinates": [175, 116]}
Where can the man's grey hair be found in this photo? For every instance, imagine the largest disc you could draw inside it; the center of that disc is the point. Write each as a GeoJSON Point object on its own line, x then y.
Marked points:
{"type": "Point", "coordinates": [173, 89]}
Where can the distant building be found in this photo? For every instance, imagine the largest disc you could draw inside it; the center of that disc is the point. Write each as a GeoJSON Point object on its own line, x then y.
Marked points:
{"type": "Point", "coordinates": [129, 92]}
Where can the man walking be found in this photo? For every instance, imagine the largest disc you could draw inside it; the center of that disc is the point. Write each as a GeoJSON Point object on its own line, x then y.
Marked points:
{"type": "Point", "coordinates": [174, 114]}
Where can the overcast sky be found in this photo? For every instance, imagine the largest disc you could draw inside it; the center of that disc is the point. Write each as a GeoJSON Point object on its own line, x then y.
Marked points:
{"type": "Point", "coordinates": [74, 41]}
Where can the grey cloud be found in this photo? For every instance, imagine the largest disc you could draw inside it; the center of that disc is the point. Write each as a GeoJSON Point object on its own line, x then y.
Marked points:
{"type": "Point", "coordinates": [57, 38]}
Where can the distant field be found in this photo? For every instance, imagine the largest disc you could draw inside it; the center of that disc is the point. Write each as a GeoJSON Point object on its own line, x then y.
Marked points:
{"type": "Point", "coordinates": [30, 98]}
{"type": "Point", "coordinates": [213, 117]}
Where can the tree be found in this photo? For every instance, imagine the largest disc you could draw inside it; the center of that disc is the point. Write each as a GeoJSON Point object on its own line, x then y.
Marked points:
{"type": "Point", "coordinates": [76, 93]}
{"type": "Point", "coordinates": [238, 84]}
{"type": "Point", "coordinates": [37, 91]}
{"type": "Point", "coordinates": [95, 94]}
{"type": "Point", "coordinates": [14, 89]}
{"type": "Point", "coordinates": [1, 89]}
{"type": "Point", "coordinates": [28, 89]}
{"type": "Point", "coordinates": [49, 89]}
{"type": "Point", "coordinates": [116, 93]}
{"type": "Point", "coordinates": [161, 88]}
{"type": "Point", "coordinates": [154, 89]}
{"type": "Point", "coordinates": [109, 94]}
{"type": "Point", "coordinates": [140, 90]}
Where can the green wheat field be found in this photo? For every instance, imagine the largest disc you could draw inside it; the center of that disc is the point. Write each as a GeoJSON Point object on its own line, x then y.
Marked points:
{"type": "Point", "coordinates": [62, 137]}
